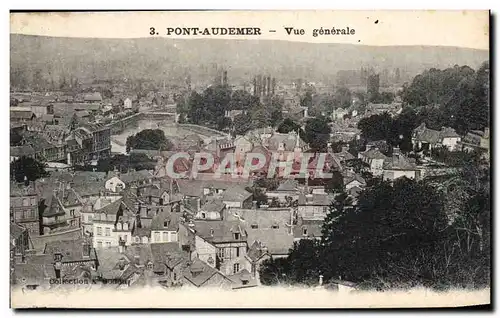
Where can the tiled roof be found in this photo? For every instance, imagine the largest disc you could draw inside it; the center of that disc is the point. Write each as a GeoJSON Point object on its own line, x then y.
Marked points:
{"type": "Point", "coordinates": [277, 241]}
{"type": "Point", "coordinates": [166, 221]}
{"type": "Point", "coordinates": [169, 254]}
{"type": "Point", "coordinates": [214, 205]}
{"type": "Point", "coordinates": [313, 228]}
{"type": "Point", "coordinates": [71, 250]}
{"type": "Point", "coordinates": [218, 231]}
{"type": "Point", "coordinates": [373, 154]}
{"type": "Point", "coordinates": [236, 194]}
{"type": "Point", "coordinates": [198, 273]}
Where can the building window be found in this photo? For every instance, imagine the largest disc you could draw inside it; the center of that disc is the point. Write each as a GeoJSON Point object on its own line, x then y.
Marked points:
{"type": "Point", "coordinates": [237, 252]}
{"type": "Point", "coordinates": [325, 209]}
{"type": "Point", "coordinates": [99, 230]}
{"type": "Point", "coordinates": [255, 226]}
{"type": "Point", "coordinates": [72, 212]}
{"type": "Point", "coordinates": [157, 236]}
{"type": "Point", "coordinates": [108, 231]}
{"type": "Point", "coordinates": [304, 231]}
{"type": "Point", "coordinates": [275, 226]}
{"type": "Point", "coordinates": [203, 215]}
{"type": "Point", "coordinates": [25, 202]}
{"type": "Point", "coordinates": [99, 244]}
{"type": "Point", "coordinates": [165, 236]}
{"type": "Point", "coordinates": [236, 268]}
{"type": "Point", "coordinates": [222, 253]}
{"type": "Point", "coordinates": [33, 201]}
{"type": "Point", "coordinates": [108, 244]}
{"type": "Point", "coordinates": [175, 276]}
{"type": "Point", "coordinates": [137, 239]}
{"type": "Point", "coordinates": [236, 236]}
{"type": "Point", "coordinates": [90, 217]}
{"type": "Point", "coordinates": [125, 238]}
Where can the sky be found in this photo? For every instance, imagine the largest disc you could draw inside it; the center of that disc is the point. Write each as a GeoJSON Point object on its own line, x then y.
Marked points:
{"type": "Point", "coordinates": [443, 28]}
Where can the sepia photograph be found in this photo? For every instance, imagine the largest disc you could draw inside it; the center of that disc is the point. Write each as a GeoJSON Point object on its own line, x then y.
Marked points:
{"type": "Point", "coordinates": [250, 159]}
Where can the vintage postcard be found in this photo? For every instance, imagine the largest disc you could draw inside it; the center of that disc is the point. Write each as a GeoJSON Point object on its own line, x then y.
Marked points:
{"type": "Point", "coordinates": [250, 159]}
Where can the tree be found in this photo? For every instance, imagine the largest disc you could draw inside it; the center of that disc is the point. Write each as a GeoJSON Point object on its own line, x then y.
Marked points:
{"type": "Point", "coordinates": [15, 138]}
{"type": "Point", "coordinates": [287, 126]}
{"type": "Point", "coordinates": [391, 238]}
{"type": "Point", "coordinates": [376, 127]}
{"type": "Point", "coordinates": [26, 167]}
{"type": "Point", "coordinates": [273, 271]}
{"type": "Point", "coordinates": [306, 100]}
{"type": "Point", "coordinates": [343, 97]}
{"type": "Point", "coordinates": [241, 124]}
{"type": "Point", "coordinates": [317, 133]}
{"type": "Point", "coordinates": [150, 139]}
{"type": "Point", "coordinates": [335, 183]}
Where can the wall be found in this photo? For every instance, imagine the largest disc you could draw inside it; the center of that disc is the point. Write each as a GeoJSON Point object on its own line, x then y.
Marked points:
{"type": "Point", "coordinates": [205, 251]}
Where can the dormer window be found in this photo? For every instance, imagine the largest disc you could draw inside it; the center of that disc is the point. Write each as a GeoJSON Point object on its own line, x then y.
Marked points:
{"type": "Point", "coordinates": [275, 226]}
{"type": "Point", "coordinates": [254, 226]}
{"type": "Point", "coordinates": [211, 232]}
{"type": "Point", "coordinates": [236, 236]}
{"type": "Point", "coordinates": [304, 231]}
{"type": "Point", "coordinates": [166, 223]}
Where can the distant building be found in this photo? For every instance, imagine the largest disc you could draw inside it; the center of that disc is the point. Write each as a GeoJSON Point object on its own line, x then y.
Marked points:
{"type": "Point", "coordinates": [424, 138]}
{"type": "Point", "coordinates": [94, 97]}
{"type": "Point", "coordinates": [127, 103]}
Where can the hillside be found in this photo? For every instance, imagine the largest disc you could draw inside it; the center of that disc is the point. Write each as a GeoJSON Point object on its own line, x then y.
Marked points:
{"type": "Point", "coordinates": [172, 59]}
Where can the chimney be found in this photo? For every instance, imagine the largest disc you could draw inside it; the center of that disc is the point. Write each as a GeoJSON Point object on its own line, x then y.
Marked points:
{"type": "Point", "coordinates": [320, 280]}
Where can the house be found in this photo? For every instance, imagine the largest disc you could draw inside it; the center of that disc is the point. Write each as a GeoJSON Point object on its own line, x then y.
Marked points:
{"type": "Point", "coordinates": [271, 229]}
{"type": "Point", "coordinates": [243, 145]}
{"type": "Point", "coordinates": [288, 190]}
{"type": "Point", "coordinates": [400, 166]}
{"type": "Point", "coordinates": [68, 253]}
{"type": "Point", "coordinates": [307, 229]}
{"type": "Point", "coordinates": [476, 140]}
{"type": "Point", "coordinates": [214, 209]}
{"type": "Point", "coordinates": [237, 197]}
{"type": "Point", "coordinates": [113, 225]}
{"type": "Point", "coordinates": [199, 274]}
{"type": "Point", "coordinates": [352, 180]}
{"type": "Point", "coordinates": [169, 263]}
{"type": "Point", "coordinates": [127, 103]}
{"type": "Point", "coordinates": [20, 242]}
{"type": "Point", "coordinates": [94, 97]}
{"type": "Point", "coordinates": [425, 139]}
{"type": "Point", "coordinates": [375, 159]}
{"type": "Point", "coordinates": [230, 239]}
{"type": "Point", "coordinates": [314, 206]}
{"type": "Point", "coordinates": [21, 114]}
{"type": "Point", "coordinates": [55, 218]}
{"type": "Point", "coordinates": [122, 181]}
{"type": "Point", "coordinates": [114, 184]}
{"type": "Point", "coordinates": [164, 228]}
{"type": "Point", "coordinates": [290, 142]}
{"type": "Point", "coordinates": [24, 207]}
{"type": "Point", "coordinates": [339, 113]}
